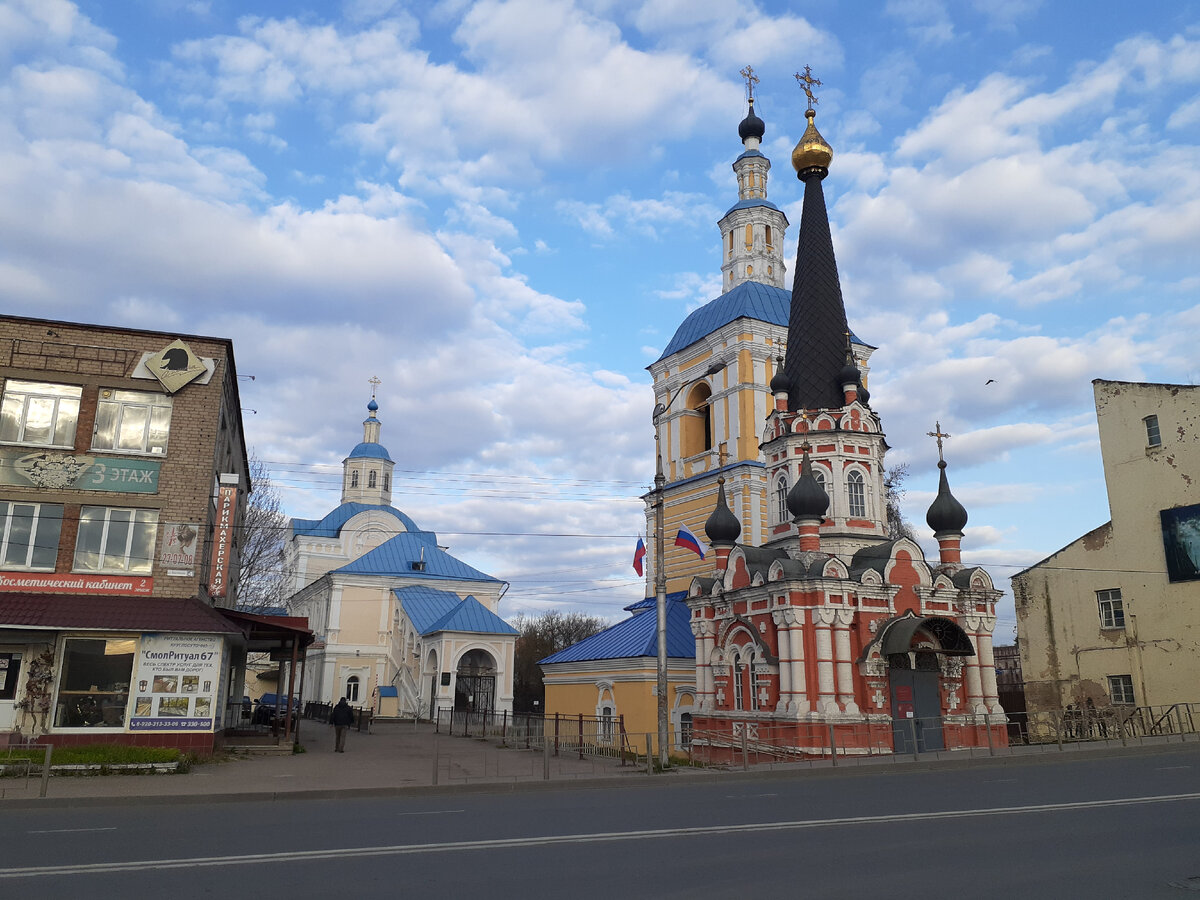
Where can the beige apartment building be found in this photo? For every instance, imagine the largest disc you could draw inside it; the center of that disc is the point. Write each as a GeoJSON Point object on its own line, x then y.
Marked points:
{"type": "Point", "coordinates": [1114, 616]}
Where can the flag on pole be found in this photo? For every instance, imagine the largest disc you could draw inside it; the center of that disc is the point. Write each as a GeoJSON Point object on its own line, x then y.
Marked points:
{"type": "Point", "coordinates": [689, 541]}
{"type": "Point", "coordinates": [639, 553]}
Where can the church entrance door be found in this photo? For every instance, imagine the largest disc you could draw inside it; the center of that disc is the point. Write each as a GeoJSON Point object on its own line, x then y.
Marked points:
{"type": "Point", "coordinates": [915, 696]}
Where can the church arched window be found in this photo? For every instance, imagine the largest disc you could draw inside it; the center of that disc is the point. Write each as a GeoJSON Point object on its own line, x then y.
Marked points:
{"type": "Point", "coordinates": [738, 695]}
{"type": "Point", "coordinates": [750, 681]}
{"type": "Point", "coordinates": [387, 481]}
{"type": "Point", "coordinates": [770, 243]}
{"type": "Point", "coordinates": [352, 688]}
{"type": "Point", "coordinates": [353, 479]}
{"type": "Point", "coordinates": [856, 495]}
{"type": "Point", "coordinates": [371, 479]}
{"type": "Point", "coordinates": [730, 248]}
{"type": "Point", "coordinates": [749, 237]}
{"type": "Point", "coordinates": [781, 492]}
{"type": "Point", "coordinates": [697, 436]}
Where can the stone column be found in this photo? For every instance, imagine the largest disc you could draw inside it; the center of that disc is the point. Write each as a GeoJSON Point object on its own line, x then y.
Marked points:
{"type": "Point", "coordinates": [702, 630]}
{"type": "Point", "coordinates": [783, 631]}
{"type": "Point", "coordinates": [987, 665]}
{"type": "Point", "coordinates": [974, 681]}
{"type": "Point", "coordinates": [826, 694]}
{"type": "Point", "coordinates": [800, 702]}
{"type": "Point", "coordinates": [845, 665]}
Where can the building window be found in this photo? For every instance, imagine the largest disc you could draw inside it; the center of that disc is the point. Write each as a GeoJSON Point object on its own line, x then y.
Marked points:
{"type": "Point", "coordinates": [352, 688]}
{"type": "Point", "coordinates": [750, 682]}
{"type": "Point", "coordinates": [1112, 608]}
{"type": "Point", "coordinates": [115, 540]}
{"type": "Point", "coordinates": [606, 724]}
{"type": "Point", "coordinates": [353, 479]}
{"type": "Point", "coordinates": [730, 249]}
{"type": "Point", "coordinates": [37, 413]}
{"type": "Point", "coordinates": [1120, 689]}
{"type": "Point", "coordinates": [371, 479]}
{"type": "Point", "coordinates": [738, 696]}
{"type": "Point", "coordinates": [749, 238]}
{"type": "Point", "coordinates": [132, 421]}
{"type": "Point", "coordinates": [387, 481]}
{"type": "Point", "coordinates": [1153, 435]}
{"type": "Point", "coordinates": [93, 691]}
{"type": "Point", "coordinates": [856, 494]}
{"type": "Point", "coordinates": [29, 537]}
{"type": "Point", "coordinates": [685, 731]}
{"type": "Point", "coordinates": [781, 492]}
{"type": "Point", "coordinates": [770, 244]}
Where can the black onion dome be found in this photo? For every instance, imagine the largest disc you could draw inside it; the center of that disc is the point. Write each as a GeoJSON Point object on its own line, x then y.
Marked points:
{"type": "Point", "coordinates": [946, 514]}
{"type": "Point", "coordinates": [752, 126]}
{"type": "Point", "coordinates": [849, 374]}
{"type": "Point", "coordinates": [864, 396]}
{"type": "Point", "coordinates": [780, 383]}
{"type": "Point", "coordinates": [722, 526]}
{"type": "Point", "coordinates": [807, 499]}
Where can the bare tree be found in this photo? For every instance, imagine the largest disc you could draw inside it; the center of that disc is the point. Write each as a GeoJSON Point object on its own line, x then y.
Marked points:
{"type": "Point", "coordinates": [264, 578]}
{"type": "Point", "coordinates": [537, 638]}
{"type": "Point", "coordinates": [893, 490]}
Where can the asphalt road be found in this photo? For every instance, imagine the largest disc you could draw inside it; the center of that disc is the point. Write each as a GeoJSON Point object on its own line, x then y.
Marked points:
{"type": "Point", "coordinates": [1116, 827]}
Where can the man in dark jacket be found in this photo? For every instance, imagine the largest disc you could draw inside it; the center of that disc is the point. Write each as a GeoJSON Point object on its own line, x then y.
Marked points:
{"type": "Point", "coordinates": [341, 719]}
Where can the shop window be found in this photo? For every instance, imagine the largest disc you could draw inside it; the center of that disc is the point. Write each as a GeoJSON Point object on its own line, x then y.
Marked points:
{"type": "Point", "coordinates": [93, 689]}
{"type": "Point", "coordinates": [37, 413]}
{"type": "Point", "coordinates": [1120, 689]}
{"type": "Point", "coordinates": [352, 688]}
{"type": "Point", "coordinates": [1153, 435]}
{"type": "Point", "coordinates": [115, 540]}
{"type": "Point", "coordinates": [856, 495]}
{"type": "Point", "coordinates": [132, 422]}
{"type": "Point", "coordinates": [30, 535]}
{"type": "Point", "coordinates": [10, 668]}
{"type": "Point", "coordinates": [1112, 608]}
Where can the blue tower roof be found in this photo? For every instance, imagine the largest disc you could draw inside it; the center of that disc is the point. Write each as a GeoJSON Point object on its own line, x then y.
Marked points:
{"type": "Point", "coordinates": [750, 203]}
{"type": "Point", "coordinates": [332, 524]}
{"type": "Point", "coordinates": [369, 450]}
{"type": "Point", "coordinates": [432, 610]}
{"type": "Point", "coordinates": [636, 636]}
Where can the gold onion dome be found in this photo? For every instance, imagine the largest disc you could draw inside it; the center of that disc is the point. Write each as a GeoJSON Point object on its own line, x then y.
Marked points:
{"type": "Point", "coordinates": [813, 151]}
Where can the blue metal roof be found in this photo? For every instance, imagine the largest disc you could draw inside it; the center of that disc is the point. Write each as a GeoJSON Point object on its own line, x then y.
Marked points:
{"type": "Point", "coordinates": [396, 556]}
{"type": "Point", "coordinates": [636, 636]}
{"type": "Point", "coordinates": [749, 300]}
{"type": "Point", "coordinates": [432, 610]}
{"type": "Point", "coordinates": [369, 450]}
{"type": "Point", "coordinates": [331, 525]}
{"type": "Point", "coordinates": [752, 203]}
{"type": "Point", "coordinates": [751, 153]}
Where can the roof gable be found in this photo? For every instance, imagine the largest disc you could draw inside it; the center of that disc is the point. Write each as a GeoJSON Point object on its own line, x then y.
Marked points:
{"type": "Point", "coordinates": [431, 610]}
{"type": "Point", "coordinates": [396, 556]}
{"type": "Point", "coordinates": [636, 636]}
{"type": "Point", "coordinates": [336, 519]}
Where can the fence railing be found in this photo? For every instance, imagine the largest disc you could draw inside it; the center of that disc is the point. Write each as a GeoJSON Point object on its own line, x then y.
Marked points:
{"type": "Point", "coordinates": [23, 760]}
{"type": "Point", "coordinates": [583, 735]}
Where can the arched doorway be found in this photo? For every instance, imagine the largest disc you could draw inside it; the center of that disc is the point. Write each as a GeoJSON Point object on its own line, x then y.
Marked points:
{"type": "Point", "coordinates": [475, 684]}
{"type": "Point", "coordinates": [913, 648]}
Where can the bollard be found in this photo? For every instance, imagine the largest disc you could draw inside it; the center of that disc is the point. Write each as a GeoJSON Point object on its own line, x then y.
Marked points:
{"type": "Point", "coordinates": [46, 770]}
{"type": "Point", "coordinates": [435, 761]}
{"type": "Point", "coordinates": [832, 745]}
{"type": "Point", "coordinates": [912, 731]}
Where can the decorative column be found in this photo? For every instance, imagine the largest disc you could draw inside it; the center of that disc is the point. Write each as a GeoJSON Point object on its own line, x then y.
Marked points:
{"type": "Point", "coordinates": [826, 700]}
{"type": "Point", "coordinates": [702, 631]}
{"type": "Point", "coordinates": [784, 633]}
{"type": "Point", "coordinates": [845, 665]}
{"type": "Point", "coordinates": [800, 704]}
{"type": "Point", "coordinates": [975, 704]}
{"type": "Point", "coordinates": [987, 665]}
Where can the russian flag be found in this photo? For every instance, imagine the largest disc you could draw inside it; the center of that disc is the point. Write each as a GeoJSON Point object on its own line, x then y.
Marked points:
{"type": "Point", "coordinates": [689, 541]}
{"type": "Point", "coordinates": [639, 553]}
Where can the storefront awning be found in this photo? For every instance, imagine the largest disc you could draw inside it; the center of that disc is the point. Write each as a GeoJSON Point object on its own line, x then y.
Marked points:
{"type": "Point", "coordinates": [92, 613]}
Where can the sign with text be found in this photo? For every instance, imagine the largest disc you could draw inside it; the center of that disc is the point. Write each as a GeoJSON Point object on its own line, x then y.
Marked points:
{"type": "Point", "coordinates": [53, 470]}
{"type": "Point", "coordinates": [176, 682]}
{"type": "Point", "coordinates": [76, 584]}
{"type": "Point", "coordinates": [218, 585]}
{"type": "Point", "coordinates": [178, 552]}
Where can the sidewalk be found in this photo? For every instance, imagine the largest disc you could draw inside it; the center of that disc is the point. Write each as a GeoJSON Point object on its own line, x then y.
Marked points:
{"type": "Point", "coordinates": [394, 756]}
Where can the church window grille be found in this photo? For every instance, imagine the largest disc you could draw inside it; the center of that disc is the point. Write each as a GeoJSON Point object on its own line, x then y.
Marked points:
{"type": "Point", "coordinates": [352, 688]}
{"type": "Point", "coordinates": [353, 479]}
{"type": "Point", "coordinates": [606, 724]}
{"type": "Point", "coordinates": [1120, 689]}
{"type": "Point", "coordinates": [856, 495]}
{"type": "Point", "coordinates": [371, 479]}
{"type": "Point", "coordinates": [781, 492]}
{"type": "Point", "coordinates": [1112, 608]}
{"type": "Point", "coordinates": [685, 731]}
{"type": "Point", "coordinates": [1153, 435]}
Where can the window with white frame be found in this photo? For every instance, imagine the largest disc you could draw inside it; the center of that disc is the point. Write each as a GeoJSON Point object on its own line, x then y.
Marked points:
{"type": "Point", "coordinates": [1153, 435]}
{"type": "Point", "coordinates": [1120, 689]}
{"type": "Point", "coordinates": [856, 495]}
{"type": "Point", "coordinates": [387, 481]}
{"type": "Point", "coordinates": [352, 689]}
{"type": "Point", "coordinates": [29, 535]}
{"type": "Point", "coordinates": [685, 730]}
{"type": "Point", "coordinates": [132, 422]}
{"type": "Point", "coordinates": [781, 492]}
{"type": "Point", "coordinates": [34, 412]}
{"type": "Point", "coordinates": [606, 724]}
{"type": "Point", "coordinates": [752, 681]}
{"type": "Point", "coordinates": [354, 479]}
{"type": "Point", "coordinates": [115, 540]}
{"type": "Point", "coordinates": [1112, 608]}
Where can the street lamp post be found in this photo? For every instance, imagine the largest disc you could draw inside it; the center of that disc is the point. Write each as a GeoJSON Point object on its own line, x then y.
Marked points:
{"type": "Point", "coordinates": [660, 573]}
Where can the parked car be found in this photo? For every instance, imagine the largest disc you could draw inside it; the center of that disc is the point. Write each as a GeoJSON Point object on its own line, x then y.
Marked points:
{"type": "Point", "coordinates": [266, 710]}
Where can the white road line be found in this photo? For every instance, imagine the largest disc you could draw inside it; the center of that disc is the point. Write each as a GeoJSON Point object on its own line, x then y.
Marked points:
{"type": "Point", "coordinates": [433, 812]}
{"type": "Point", "coordinates": [67, 830]}
{"type": "Point", "coordinates": [549, 840]}
{"type": "Point", "coordinates": [1170, 768]}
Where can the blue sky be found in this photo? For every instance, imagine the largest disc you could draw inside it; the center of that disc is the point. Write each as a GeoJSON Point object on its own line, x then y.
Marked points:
{"type": "Point", "coordinates": [503, 209]}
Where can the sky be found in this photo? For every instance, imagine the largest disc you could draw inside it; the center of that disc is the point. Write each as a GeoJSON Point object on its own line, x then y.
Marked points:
{"type": "Point", "coordinates": [503, 208]}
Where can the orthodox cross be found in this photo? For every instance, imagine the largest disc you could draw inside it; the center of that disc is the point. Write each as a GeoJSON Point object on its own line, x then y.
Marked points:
{"type": "Point", "coordinates": [374, 382]}
{"type": "Point", "coordinates": [751, 81]}
{"type": "Point", "coordinates": [940, 435]}
{"type": "Point", "coordinates": [807, 82]}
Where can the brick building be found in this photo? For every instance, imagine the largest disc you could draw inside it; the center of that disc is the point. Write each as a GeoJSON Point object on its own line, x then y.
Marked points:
{"type": "Point", "coordinates": [123, 478]}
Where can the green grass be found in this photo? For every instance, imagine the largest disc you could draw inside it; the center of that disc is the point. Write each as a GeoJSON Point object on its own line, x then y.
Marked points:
{"type": "Point", "coordinates": [97, 755]}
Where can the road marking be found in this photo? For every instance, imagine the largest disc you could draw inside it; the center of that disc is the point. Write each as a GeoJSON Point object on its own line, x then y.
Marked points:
{"type": "Point", "coordinates": [433, 812]}
{"type": "Point", "coordinates": [746, 796]}
{"type": "Point", "coordinates": [1001, 781]}
{"type": "Point", "coordinates": [551, 839]}
{"type": "Point", "coordinates": [1169, 768]}
{"type": "Point", "coordinates": [67, 830]}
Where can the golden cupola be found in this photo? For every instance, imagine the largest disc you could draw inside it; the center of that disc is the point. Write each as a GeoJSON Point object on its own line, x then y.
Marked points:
{"type": "Point", "coordinates": [813, 153]}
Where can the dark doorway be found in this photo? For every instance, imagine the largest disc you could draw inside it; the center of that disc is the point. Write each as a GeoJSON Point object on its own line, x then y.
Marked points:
{"type": "Point", "coordinates": [916, 701]}
{"type": "Point", "coordinates": [475, 684]}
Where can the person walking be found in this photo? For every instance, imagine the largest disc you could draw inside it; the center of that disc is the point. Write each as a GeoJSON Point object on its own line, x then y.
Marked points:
{"type": "Point", "coordinates": [341, 719]}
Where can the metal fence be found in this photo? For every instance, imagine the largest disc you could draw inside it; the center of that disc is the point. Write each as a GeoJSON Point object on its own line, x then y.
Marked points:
{"type": "Point", "coordinates": [596, 736]}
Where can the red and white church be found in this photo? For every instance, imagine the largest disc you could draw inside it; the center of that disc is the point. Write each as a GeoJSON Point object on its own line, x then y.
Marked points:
{"type": "Point", "coordinates": [833, 633]}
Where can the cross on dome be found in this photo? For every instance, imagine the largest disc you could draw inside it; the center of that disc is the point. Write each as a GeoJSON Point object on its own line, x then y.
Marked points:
{"type": "Point", "coordinates": [940, 435]}
{"type": "Point", "coordinates": [751, 81]}
{"type": "Point", "coordinates": [807, 82]}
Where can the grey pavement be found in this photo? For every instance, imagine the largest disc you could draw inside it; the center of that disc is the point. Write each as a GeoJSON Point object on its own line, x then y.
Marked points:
{"type": "Point", "coordinates": [397, 758]}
